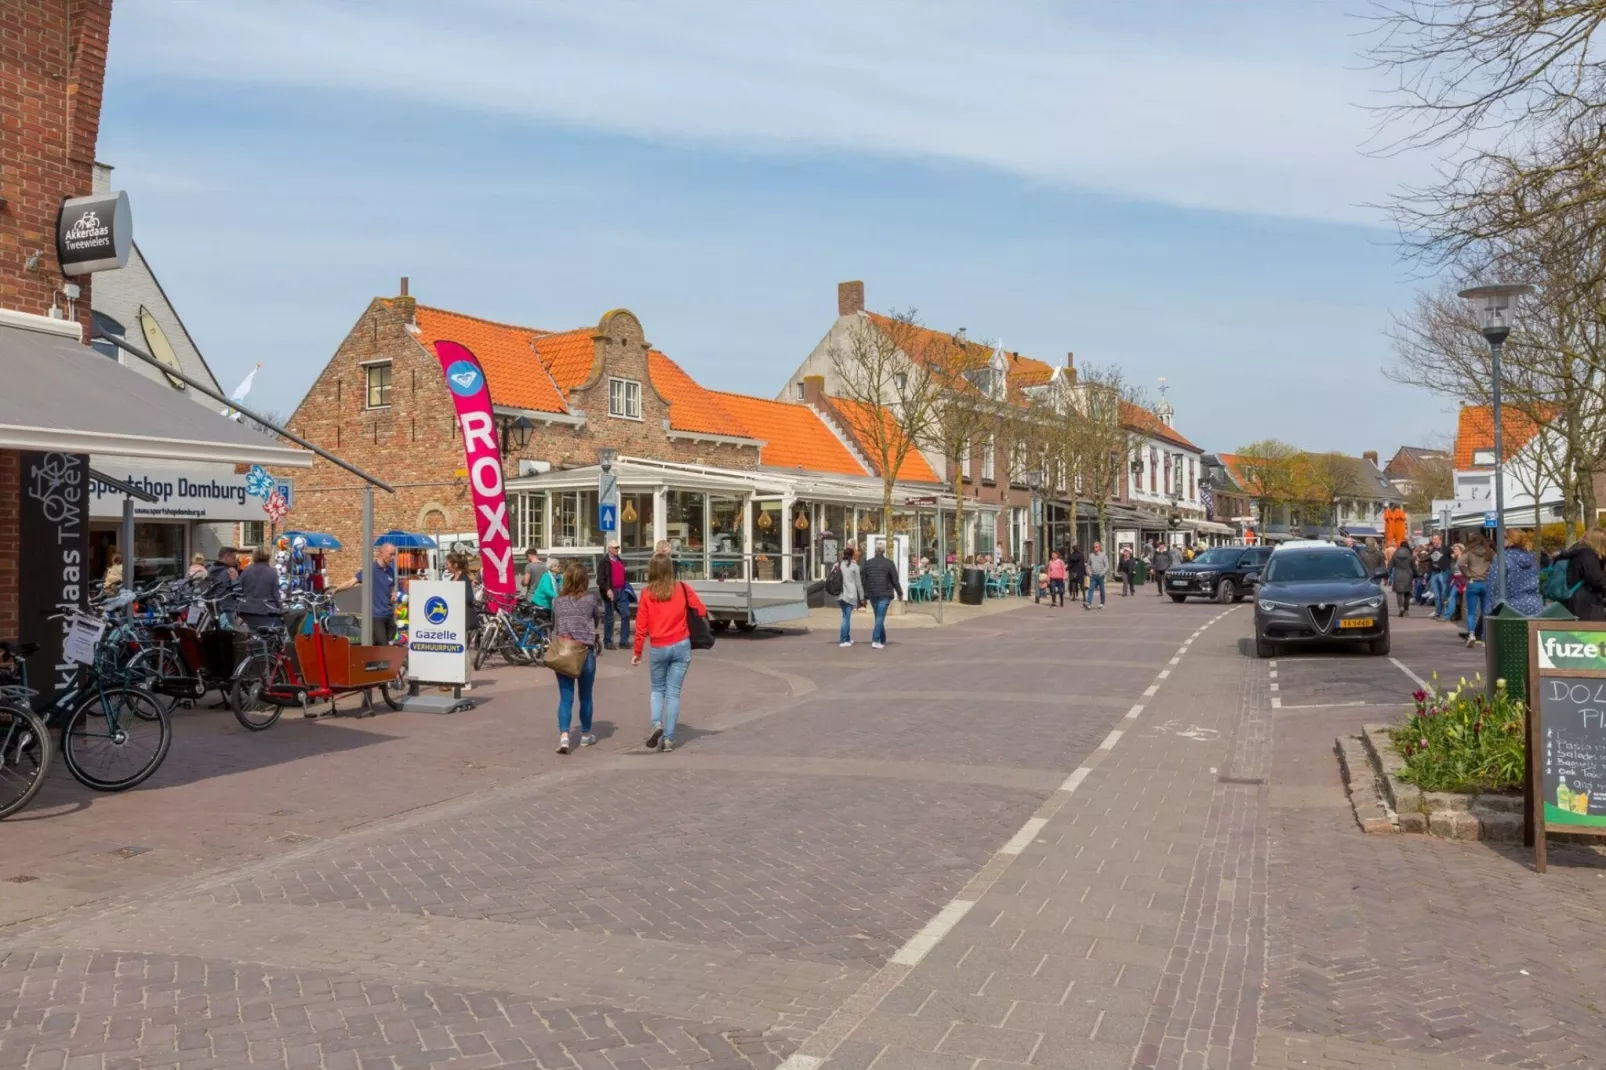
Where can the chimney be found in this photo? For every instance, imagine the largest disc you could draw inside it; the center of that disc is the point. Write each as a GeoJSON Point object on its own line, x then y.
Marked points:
{"type": "Point", "coordinates": [407, 305]}
{"type": "Point", "coordinates": [849, 298]}
{"type": "Point", "coordinates": [404, 286]}
{"type": "Point", "coordinates": [1370, 455]}
{"type": "Point", "coordinates": [813, 389]}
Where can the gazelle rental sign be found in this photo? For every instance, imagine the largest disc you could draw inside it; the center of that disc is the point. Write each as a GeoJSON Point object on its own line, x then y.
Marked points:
{"type": "Point", "coordinates": [482, 455]}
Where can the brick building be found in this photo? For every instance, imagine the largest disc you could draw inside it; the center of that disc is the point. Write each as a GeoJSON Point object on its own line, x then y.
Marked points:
{"type": "Point", "coordinates": [63, 401]}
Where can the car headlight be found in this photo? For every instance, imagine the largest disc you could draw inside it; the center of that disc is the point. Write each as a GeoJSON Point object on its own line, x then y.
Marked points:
{"type": "Point", "coordinates": [1268, 605]}
{"type": "Point", "coordinates": [1205, 575]}
{"type": "Point", "coordinates": [1369, 603]}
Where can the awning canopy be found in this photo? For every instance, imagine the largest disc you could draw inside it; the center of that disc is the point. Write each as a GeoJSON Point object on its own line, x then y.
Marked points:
{"type": "Point", "coordinates": [1360, 532]}
{"type": "Point", "coordinates": [1210, 527]}
{"type": "Point", "coordinates": [64, 397]}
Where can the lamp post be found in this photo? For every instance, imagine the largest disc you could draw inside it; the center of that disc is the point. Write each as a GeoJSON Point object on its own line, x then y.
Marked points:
{"type": "Point", "coordinates": [1494, 302]}
{"type": "Point", "coordinates": [515, 434]}
{"type": "Point", "coordinates": [1034, 480]}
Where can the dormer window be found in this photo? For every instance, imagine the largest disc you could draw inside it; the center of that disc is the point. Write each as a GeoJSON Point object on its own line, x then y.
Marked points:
{"type": "Point", "coordinates": [1482, 457]}
{"type": "Point", "coordinates": [624, 399]}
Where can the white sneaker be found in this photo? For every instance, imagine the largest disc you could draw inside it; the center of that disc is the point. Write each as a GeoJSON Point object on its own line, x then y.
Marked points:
{"type": "Point", "coordinates": [878, 646]}
{"type": "Point", "coordinates": [845, 645]}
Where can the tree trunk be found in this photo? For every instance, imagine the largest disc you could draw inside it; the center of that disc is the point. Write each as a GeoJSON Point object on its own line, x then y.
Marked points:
{"type": "Point", "coordinates": [959, 525]}
{"type": "Point", "coordinates": [1586, 498]}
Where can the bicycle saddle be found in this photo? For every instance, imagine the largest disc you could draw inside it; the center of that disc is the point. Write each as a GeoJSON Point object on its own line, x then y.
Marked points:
{"type": "Point", "coordinates": [18, 650]}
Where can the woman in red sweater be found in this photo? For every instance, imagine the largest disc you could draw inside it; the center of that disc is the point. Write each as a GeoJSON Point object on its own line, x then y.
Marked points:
{"type": "Point", "coordinates": [661, 618]}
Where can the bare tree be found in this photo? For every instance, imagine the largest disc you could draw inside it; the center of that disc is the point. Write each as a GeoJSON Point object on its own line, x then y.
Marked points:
{"type": "Point", "coordinates": [1100, 434]}
{"type": "Point", "coordinates": [961, 414]}
{"type": "Point", "coordinates": [1432, 479]}
{"type": "Point", "coordinates": [1270, 474]}
{"type": "Point", "coordinates": [880, 373]}
{"type": "Point", "coordinates": [1324, 478]}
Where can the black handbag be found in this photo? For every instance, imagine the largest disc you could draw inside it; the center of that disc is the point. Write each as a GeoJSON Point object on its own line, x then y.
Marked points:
{"type": "Point", "coordinates": [702, 636]}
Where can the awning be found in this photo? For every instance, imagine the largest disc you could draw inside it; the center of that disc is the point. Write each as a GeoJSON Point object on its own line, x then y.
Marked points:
{"type": "Point", "coordinates": [1361, 532]}
{"type": "Point", "coordinates": [65, 397]}
{"type": "Point", "coordinates": [1210, 527]}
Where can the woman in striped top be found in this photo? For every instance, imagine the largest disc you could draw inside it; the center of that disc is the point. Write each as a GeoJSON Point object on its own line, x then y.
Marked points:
{"type": "Point", "coordinates": [576, 614]}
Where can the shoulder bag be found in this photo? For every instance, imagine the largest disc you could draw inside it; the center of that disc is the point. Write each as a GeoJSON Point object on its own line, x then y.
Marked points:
{"type": "Point", "coordinates": [565, 656]}
{"type": "Point", "coordinates": [702, 636]}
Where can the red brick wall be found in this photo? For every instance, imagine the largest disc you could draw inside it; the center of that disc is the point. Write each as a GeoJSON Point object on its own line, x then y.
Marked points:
{"type": "Point", "coordinates": [52, 66]}
{"type": "Point", "coordinates": [414, 444]}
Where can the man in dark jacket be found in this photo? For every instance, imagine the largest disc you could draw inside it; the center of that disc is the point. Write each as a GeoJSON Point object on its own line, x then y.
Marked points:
{"type": "Point", "coordinates": [617, 594]}
{"type": "Point", "coordinates": [1584, 573]}
{"type": "Point", "coordinates": [259, 591]}
{"type": "Point", "coordinates": [221, 579]}
{"type": "Point", "coordinates": [1162, 562]}
{"type": "Point", "coordinates": [1439, 565]}
{"type": "Point", "coordinates": [881, 586]}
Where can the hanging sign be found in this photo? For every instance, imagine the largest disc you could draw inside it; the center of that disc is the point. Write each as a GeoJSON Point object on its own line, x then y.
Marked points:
{"type": "Point", "coordinates": [482, 454]}
{"type": "Point", "coordinates": [94, 233]}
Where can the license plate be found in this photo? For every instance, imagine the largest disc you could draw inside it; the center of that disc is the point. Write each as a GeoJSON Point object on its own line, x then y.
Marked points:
{"type": "Point", "coordinates": [1357, 622]}
{"type": "Point", "coordinates": [1179, 583]}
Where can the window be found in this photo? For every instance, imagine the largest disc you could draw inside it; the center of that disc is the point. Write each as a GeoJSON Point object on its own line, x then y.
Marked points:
{"type": "Point", "coordinates": [378, 376]}
{"type": "Point", "coordinates": [574, 519]}
{"type": "Point", "coordinates": [1482, 457]}
{"type": "Point", "coordinates": [624, 398]}
{"type": "Point", "coordinates": [988, 460]}
{"type": "Point", "coordinates": [252, 534]}
{"type": "Point", "coordinates": [802, 391]}
{"type": "Point", "coordinates": [900, 382]}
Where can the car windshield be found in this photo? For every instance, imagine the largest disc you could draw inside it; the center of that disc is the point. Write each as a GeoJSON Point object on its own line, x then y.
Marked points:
{"type": "Point", "coordinates": [1219, 555]}
{"type": "Point", "coordinates": [1314, 567]}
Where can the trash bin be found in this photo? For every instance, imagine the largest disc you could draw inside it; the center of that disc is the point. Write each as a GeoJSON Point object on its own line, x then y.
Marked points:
{"type": "Point", "coordinates": [1140, 571]}
{"type": "Point", "coordinates": [973, 587]}
{"type": "Point", "coordinates": [1505, 639]}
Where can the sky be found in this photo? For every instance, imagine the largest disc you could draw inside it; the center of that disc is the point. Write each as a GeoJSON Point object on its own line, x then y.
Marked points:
{"type": "Point", "coordinates": [1182, 190]}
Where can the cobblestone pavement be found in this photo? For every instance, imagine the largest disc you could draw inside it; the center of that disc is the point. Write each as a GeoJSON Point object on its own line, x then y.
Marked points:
{"type": "Point", "coordinates": [1036, 838]}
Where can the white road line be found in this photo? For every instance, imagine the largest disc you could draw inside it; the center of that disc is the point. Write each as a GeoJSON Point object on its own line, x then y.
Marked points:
{"type": "Point", "coordinates": [1400, 665]}
{"type": "Point", "coordinates": [1344, 705]}
{"type": "Point", "coordinates": [1134, 711]}
{"type": "Point", "coordinates": [1149, 691]}
{"type": "Point", "coordinates": [1175, 660]}
{"type": "Point", "coordinates": [1028, 832]}
{"type": "Point", "coordinates": [1274, 687]}
{"type": "Point", "coordinates": [1273, 664]}
{"type": "Point", "coordinates": [1274, 674]}
{"type": "Point", "coordinates": [802, 1062]}
{"type": "Point", "coordinates": [1111, 740]}
{"type": "Point", "coordinates": [1276, 703]}
{"type": "Point", "coordinates": [1078, 775]}
{"type": "Point", "coordinates": [1163, 674]}
{"type": "Point", "coordinates": [921, 943]}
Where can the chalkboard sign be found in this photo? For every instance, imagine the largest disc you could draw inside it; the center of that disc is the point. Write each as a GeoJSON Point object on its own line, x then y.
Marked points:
{"type": "Point", "coordinates": [1566, 730]}
{"type": "Point", "coordinates": [1572, 717]}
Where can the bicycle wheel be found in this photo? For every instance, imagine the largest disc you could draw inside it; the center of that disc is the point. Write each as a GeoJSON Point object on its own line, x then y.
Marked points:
{"type": "Point", "coordinates": [489, 640]}
{"type": "Point", "coordinates": [394, 691]}
{"type": "Point", "coordinates": [25, 753]}
{"type": "Point", "coordinates": [152, 665]}
{"type": "Point", "coordinates": [255, 675]}
{"type": "Point", "coordinates": [114, 742]}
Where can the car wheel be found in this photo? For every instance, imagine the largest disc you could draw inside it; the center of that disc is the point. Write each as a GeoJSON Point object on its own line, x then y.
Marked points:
{"type": "Point", "coordinates": [1380, 647]}
{"type": "Point", "coordinates": [1226, 592]}
{"type": "Point", "coordinates": [1265, 648]}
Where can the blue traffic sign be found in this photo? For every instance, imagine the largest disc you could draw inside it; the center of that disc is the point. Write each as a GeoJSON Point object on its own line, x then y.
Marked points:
{"type": "Point", "coordinates": [608, 517]}
{"type": "Point", "coordinates": [1489, 519]}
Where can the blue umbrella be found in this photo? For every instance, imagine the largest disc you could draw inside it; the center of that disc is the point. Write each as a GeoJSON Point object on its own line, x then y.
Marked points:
{"type": "Point", "coordinates": [405, 540]}
{"type": "Point", "coordinates": [316, 540]}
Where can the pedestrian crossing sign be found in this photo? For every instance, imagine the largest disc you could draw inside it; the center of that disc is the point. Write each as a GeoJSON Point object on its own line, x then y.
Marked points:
{"type": "Point", "coordinates": [608, 517]}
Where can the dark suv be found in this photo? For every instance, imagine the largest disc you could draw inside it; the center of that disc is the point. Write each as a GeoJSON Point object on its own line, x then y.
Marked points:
{"type": "Point", "coordinates": [1224, 573]}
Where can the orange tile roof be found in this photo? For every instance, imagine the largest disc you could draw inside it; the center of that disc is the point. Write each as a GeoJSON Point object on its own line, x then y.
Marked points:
{"type": "Point", "coordinates": [692, 407]}
{"type": "Point", "coordinates": [1475, 431]}
{"type": "Point", "coordinates": [1028, 371]}
{"type": "Point", "coordinates": [506, 352]}
{"type": "Point", "coordinates": [1140, 419]}
{"type": "Point", "coordinates": [794, 436]}
{"type": "Point", "coordinates": [861, 416]}
{"type": "Point", "coordinates": [568, 356]}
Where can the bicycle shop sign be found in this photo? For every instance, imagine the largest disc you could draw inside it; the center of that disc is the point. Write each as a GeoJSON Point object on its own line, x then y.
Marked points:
{"type": "Point", "coordinates": [94, 233]}
{"type": "Point", "coordinates": [186, 494]}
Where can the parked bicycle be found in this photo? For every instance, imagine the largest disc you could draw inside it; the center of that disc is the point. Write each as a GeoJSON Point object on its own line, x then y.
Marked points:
{"type": "Point", "coordinates": [519, 631]}
{"type": "Point", "coordinates": [311, 662]}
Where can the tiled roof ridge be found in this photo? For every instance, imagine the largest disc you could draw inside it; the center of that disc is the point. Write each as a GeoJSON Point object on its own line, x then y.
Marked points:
{"type": "Point", "coordinates": [490, 322]}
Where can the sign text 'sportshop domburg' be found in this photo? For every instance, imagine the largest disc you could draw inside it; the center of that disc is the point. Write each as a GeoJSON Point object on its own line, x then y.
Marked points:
{"type": "Point", "coordinates": [184, 493]}
{"type": "Point", "coordinates": [1562, 649]}
{"type": "Point", "coordinates": [483, 458]}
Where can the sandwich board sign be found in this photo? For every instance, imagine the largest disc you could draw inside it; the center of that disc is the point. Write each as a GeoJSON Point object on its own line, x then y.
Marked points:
{"type": "Point", "coordinates": [1566, 730]}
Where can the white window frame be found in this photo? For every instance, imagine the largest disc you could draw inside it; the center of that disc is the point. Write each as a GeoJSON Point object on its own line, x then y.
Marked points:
{"type": "Point", "coordinates": [368, 370]}
{"type": "Point", "coordinates": [624, 394]}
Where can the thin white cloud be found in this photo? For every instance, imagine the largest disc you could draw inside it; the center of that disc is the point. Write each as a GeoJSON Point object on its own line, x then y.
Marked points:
{"type": "Point", "coordinates": [1234, 108]}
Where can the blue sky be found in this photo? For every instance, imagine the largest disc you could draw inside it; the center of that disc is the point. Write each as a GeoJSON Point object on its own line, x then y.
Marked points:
{"type": "Point", "coordinates": [1176, 188]}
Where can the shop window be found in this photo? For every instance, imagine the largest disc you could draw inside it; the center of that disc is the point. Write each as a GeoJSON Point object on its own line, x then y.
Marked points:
{"type": "Point", "coordinates": [725, 541]}
{"type": "Point", "coordinates": [574, 519]}
{"type": "Point", "coordinates": [624, 399]}
{"type": "Point", "coordinates": [378, 379]}
{"type": "Point", "coordinates": [686, 528]}
{"type": "Point", "coordinates": [252, 534]}
{"type": "Point", "coordinates": [768, 525]}
{"type": "Point", "coordinates": [635, 529]}
{"type": "Point", "coordinates": [529, 510]}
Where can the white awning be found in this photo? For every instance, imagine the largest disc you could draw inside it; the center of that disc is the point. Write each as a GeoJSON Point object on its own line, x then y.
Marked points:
{"type": "Point", "coordinates": [64, 397]}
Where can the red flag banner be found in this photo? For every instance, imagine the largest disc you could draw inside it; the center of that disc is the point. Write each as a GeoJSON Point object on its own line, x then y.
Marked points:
{"type": "Point", "coordinates": [483, 458]}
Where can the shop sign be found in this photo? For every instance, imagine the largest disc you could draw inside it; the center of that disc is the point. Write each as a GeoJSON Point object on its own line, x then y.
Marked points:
{"type": "Point", "coordinates": [437, 632]}
{"type": "Point", "coordinates": [94, 233]}
{"type": "Point", "coordinates": [191, 493]}
{"type": "Point", "coordinates": [54, 533]}
{"type": "Point", "coordinates": [482, 457]}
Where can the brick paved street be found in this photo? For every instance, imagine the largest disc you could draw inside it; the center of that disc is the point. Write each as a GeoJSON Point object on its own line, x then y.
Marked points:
{"type": "Point", "coordinates": [1034, 838]}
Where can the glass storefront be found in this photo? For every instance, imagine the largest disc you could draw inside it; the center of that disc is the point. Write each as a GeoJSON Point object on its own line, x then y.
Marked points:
{"type": "Point", "coordinates": [726, 544]}
{"type": "Point", "coordinates": [768, 525]}
{"type": "Point", "coordinates": [574, 519]}
{"type": "Point", "coordinates": [686, 530]}
{"type": "Point", "coordinates": [159, 552]}
{"type": "Point", "coordinates": [805, 564]}
{"type": "Point", "coordinates": [529, 511]}
{"type": "Point", "coordinates": [635, 523]}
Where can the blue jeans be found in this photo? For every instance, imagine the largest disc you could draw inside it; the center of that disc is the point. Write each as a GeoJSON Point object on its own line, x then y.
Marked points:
{"type": "Point", "coordinates": [844, 634]}
{"type": "Point", "coordinates": [878, 634]}
{"type": "Point", "coordinates": [1440, 584]}
{"type": "Point", "coordinates": [1477, 592]}
{"type": "Point", "coordinates": [619, 603]}
{"type": "Point", "coordinates": [1095, 582]}
{"type": "Point", "coordinates": [668, 665]}
{"type": "Point", "coordinates": [587, 677]}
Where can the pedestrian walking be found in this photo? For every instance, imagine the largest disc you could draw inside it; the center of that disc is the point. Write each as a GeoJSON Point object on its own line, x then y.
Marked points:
{"type": "Point", "coordinates": [1057, 573]}
{"type": "Point", "coordinates": [576, 615]}
{"type": "Point", "coordinates": [1458, 584]}
{"type": "Point", "coordinates": [1372, 557]}
{"type": "Point", "coordinates": [1162, 562]}
{"type": "Point", "coordinates": [1419, 586]}
{"type": "Point", "coordinates": [1439, 565]}
{"type": "Point", "coordinates": [1585, 575]}
{"type": "Point", "coordinates": [530, 575]}
{"type": "Point", "coordinates": [881, 586]}
{"type": "Point", "coordinates": [1475, 565]}
{"type": "Point", "coordinates": [849, 591]}
{"type": "Point", "coordinates": [617, 595]}
{"type": "Point", "coordinates": [1075, 572]}
{"type": "Point", "coordinates": [1098, 568]}
{"type": "Point", "coordinates": [661, 620]}
{"type": "Point", "coordinates": [1123, 568]}
{"type": "Point", "coordinates": [259, 592]}
{"type": "Point", "coordinates": [1402, 573]}
{"type": "Point", "coordinates": [1522, 575]}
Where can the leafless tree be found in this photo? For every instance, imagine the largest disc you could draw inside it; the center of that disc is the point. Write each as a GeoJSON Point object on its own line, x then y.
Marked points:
{"type": "Point", "coordinates": [1324, 478]}
{"type": "Point", "coordinates": [1270, 474]}
{"type": "Point", "coordinates": [1432, 479]}
{"type": "Point", "coordinates": [961, 414]}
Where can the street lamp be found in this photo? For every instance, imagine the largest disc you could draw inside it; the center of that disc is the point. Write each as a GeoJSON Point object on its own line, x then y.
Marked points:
{"type": "Point", "coordinates": [1034, 480]}
{"type": "Point", "coordinates": [606, 456]}
{"type": "Point", "coordinates": [1494, 302]}
{"type": "Point", "coordinates": [516, 434]}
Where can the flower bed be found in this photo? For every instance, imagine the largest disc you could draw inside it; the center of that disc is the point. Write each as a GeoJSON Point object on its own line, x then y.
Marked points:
{"type": "Point", "coordinates": [1462, 740]}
